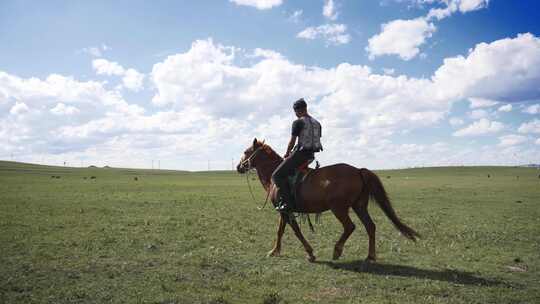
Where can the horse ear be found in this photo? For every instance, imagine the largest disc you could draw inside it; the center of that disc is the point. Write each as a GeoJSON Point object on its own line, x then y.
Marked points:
{"type": "Point", "coordinates": [255, 141]}
{"type": "Point", "coordinates": [262, 143]}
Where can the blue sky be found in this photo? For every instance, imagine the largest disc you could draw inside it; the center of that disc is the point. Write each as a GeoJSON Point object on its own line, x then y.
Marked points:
{"type": "Point", "coordinates": [396, 83]}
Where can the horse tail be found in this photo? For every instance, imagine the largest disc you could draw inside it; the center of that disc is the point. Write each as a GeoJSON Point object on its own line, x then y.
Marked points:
{"type": "Point", "coordinates": [376, 191]}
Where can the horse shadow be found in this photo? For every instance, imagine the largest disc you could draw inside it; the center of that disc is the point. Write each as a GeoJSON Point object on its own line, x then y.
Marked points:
{"type": "Point", "coordinates": [446, 275]}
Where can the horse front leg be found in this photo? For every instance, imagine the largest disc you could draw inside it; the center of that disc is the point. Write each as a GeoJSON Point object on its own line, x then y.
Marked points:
{"type": "Point", "coordinates": [300, 236]}
{"type": "Point", "coordinates": [281, 229]}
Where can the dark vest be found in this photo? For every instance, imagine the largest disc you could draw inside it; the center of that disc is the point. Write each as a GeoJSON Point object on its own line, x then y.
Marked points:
{"type": "Point", "coordinates": [310, 136]}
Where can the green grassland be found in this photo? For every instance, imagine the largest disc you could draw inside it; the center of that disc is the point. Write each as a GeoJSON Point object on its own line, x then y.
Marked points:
{"type": "Point", "coordinates": [181, 237]}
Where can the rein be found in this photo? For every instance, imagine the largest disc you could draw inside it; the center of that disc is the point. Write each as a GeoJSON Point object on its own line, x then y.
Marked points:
{"type": "Point", "coordinates": [248, 161]}
{"type": "Point", "coordinates": [253, 196]}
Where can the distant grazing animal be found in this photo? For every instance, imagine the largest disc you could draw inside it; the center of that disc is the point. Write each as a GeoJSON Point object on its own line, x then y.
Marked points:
{"type": "Point", "coordinates": [135, 178]}
{"type": "Point", "coordinates": [93, 177]}
{"type": "Point", "coordinates": [336, 188]}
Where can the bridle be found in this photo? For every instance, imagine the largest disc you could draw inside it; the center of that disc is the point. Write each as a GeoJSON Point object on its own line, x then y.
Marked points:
{"type": "Point", "coordinates": [248, 170]}
{"type": "Point", "coordinates": [248, 160]}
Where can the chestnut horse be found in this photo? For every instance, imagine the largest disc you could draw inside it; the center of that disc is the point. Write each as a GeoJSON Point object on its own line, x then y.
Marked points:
{"type": "Point", "coordinates": [336, 188]}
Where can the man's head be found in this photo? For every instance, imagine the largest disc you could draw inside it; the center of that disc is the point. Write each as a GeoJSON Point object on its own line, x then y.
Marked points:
{"type": "Point", "coordinates": [300, 107]}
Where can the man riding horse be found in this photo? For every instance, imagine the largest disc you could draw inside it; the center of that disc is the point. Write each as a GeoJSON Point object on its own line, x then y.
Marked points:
{"type": "Point", "coordinates": [338, 187]}
{"type": "Point", "coordinates": [308, 132]}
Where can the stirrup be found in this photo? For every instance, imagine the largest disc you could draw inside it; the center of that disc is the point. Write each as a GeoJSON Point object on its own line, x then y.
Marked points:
{"type": "Point", "coordinates": [283, 208]}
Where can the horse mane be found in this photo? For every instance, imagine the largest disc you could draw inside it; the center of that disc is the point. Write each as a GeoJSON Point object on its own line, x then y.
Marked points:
{"type": "Point", "coordinates": [271, 152]}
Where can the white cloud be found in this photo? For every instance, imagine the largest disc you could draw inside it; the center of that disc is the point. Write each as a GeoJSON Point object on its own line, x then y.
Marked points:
{"type": "Point", "coordinates": [62, 109]}
{"type": "Point", "coordinates": [511, 140]}
{"type": "Point", "coordinates": [530, 127]}
{"type": "Point", "coordinates": [481, 102]}
{"type": "Point", "coordinates": [335, 34]}
{"type": "Point", "coordinates": [197, 76]}
{"type": "Point", "coordinates": [532, 109]}
{"type": "Point", "coordinates": [19, 108]}
{"type": "Point", "coordinates": [507, 69]}
{"type": "Point", "coordinates": [259, 4]}
{"type": "Point", "coordinates": [453, 6]}
{"type": "Point", "coordinates": [471, 5]}
{"type": "Point", "coordinates": [105, 67]}
{"type": "Point", "coordinates": [404, 37]}
{"type": "Point", "coordinates": [377, 103]}
{"type": "Point", "coordinates": [131, 78]}
{"type": "Point", "coordinates": [481, 127]}
{"type": "Point", "coordinates": [400, 37]}
{"type": "Point", "coordinates": [269, 54]}
{"type": "Point", "coordinates": [55, 88]}
{"type": "Point", "coordinates": [441, 13]}
{"type": "Point", "coordinates": [39, 131]}
{"type": "Point", "coordinates": [212, 98]}
{"type": "Point", "coordinates": [505, 108]}
{"type": "Point", "coordinates": [329, 10]}
{"type": "Point", "coordinates": [397, 101]}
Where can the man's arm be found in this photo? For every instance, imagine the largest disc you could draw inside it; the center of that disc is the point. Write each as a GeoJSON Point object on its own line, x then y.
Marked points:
{"type": "Point", "coordinates": [292, 142]}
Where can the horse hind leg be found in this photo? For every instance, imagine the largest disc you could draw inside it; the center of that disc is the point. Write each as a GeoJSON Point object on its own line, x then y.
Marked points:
{"type": "Point", "coordinates": [360, 208]}
{"type": "Point", "coordinates": [342, 214]}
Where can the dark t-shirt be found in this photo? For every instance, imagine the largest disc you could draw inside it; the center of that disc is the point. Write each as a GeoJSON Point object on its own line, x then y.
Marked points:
{"type": "Point", "coordinates": [297, 126]}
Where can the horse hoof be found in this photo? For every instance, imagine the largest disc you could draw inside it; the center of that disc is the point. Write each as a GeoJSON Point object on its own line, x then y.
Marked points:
{"type": "Point", "coordinates": [272, 254]}
{"type": "Point", "coordinates": [370, 259]}
{"type": "Point", "coordinates": [336, 255]}
{"type": "Point", "coordinates": [311, 258]}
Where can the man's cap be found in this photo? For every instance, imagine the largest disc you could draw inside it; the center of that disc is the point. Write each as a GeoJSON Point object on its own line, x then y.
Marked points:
{"type": "Point", "coordinates": [300, 104]}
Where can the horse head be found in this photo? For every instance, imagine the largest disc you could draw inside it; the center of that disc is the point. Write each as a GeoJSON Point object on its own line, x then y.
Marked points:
{"type": "Point", "coordinates": [250, 157]}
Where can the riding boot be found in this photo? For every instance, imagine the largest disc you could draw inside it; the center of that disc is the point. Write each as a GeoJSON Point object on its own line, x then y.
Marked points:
{"type": "Point", "coordinates": [286, 199]}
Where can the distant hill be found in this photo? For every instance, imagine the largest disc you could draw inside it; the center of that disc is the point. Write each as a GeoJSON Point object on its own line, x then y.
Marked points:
{"type": "Point", "coordinates": [20, 166]}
